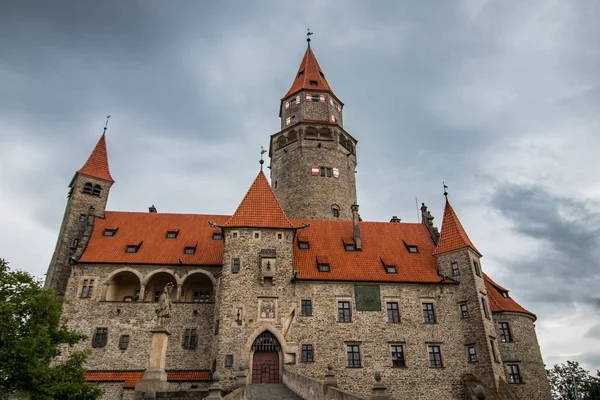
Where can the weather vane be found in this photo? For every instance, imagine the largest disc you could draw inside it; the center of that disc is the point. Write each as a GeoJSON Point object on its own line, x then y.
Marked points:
{"type": "Point", "coordinates": [262, 151]}
{"type": "Point", "coordinates": [308, 33]}
{"type": "Point", "coordinates": [445, 190]}
{"type": "Point", "coordinates": [106, 123]}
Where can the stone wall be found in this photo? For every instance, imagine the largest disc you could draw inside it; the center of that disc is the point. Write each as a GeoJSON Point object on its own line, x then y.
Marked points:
{"type": "Point", "coordinates": [524, 351]}
{"type": "Point", "coordinates": [304, 195]}
{"type": "Point", "coordinates": [308, 388]}
{"type": "Point", "coordinates": [135, 319]}
{"type": "Point", "coordinates": [311, 111]}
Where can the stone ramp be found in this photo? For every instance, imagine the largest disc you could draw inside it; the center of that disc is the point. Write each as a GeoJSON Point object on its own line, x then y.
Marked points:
{"type": "Point", "coordinates": [265, 391]}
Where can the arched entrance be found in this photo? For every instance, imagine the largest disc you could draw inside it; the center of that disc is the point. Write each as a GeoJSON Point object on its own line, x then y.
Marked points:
{"type": "Point", "coordinates": [265, 359]}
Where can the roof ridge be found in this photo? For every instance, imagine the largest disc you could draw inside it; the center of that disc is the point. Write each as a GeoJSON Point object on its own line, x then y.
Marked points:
{"type": "Point", "coordinates": [97, 163]}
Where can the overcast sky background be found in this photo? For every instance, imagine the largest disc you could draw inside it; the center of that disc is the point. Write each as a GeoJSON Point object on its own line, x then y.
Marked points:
{"type": "Point", "coordinates": [499, 99]}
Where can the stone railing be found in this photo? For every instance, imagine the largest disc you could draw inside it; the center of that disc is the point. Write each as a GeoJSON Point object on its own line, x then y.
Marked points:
{"type": "Point", "coordinates": [237, 394]}
{"type": "Point", "coordinates": [309, 388]}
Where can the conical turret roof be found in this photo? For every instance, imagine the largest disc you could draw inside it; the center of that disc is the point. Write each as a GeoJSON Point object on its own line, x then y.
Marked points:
{"type": "Point", "coordinates": [97, 163]}
{"type": "Point", "coordinates": [309, 76]}
{"type": "Point", "coordinates": [453, 235]}
{"type": "Point", "coordinates": [260, 208]}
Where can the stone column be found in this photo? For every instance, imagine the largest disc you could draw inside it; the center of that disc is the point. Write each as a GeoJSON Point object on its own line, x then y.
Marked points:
{"type": "Point", "coordinates": [155, 376]}
{"type": "Point", "coordinates": [379, 388]}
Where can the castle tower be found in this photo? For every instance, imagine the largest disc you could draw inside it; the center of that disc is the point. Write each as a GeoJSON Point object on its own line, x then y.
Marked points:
{"type": "Point", "coordinates": [87, 199]}
{"type": "Point", "coordinates": [312, 157]}
{"type": "Point", "coordinates": [458, 259]}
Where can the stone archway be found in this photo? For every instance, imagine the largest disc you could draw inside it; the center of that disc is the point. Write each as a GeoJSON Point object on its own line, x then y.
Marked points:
{"type": "Point", "coordinates": [266, 359]}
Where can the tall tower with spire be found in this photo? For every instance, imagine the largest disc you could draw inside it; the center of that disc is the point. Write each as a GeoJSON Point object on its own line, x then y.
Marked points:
{"type": "Point", "coordinates": [87, 199]}
{"type": "Point", "coordinates": [313, 158]}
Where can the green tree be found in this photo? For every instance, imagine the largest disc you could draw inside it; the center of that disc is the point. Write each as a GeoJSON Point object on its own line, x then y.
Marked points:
{"type": "Point", "coordinates": [564, 377]}
{"type": "Point", "coordinates": [31, 335]}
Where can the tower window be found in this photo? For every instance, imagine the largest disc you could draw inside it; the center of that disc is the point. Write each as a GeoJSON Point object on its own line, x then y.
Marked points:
{"type": "Point", "coordinates": [313, 83]}
{"type": "Point", "coordinates": [514, 375]}
{"type": "Point", "coordinates": [235, 266]}
{"type": "Point", "coordinates": [477, 269]}
{"type": "Point", "coordinates": [322, 74]}
{"type": "Point", "coordinates": [493, 346]}
{"type": "Point", "coordinates": [335, 211]}
{"type": "Point", "coordinates": [96, 190]}
{"type": "Point", "coordinates": [464, 311]}
{"type": "Point", "coordinates": [301, 73]}
{"type": "Point", "coordinates": [505, 335]}
{"type": "Point", "coordinates": [485, 309]}
{"type": "Point", "coordinates": [88, 187]}
{"type": "Point", "coordinates": [455, 270]}
{"type": "Point", "coordinates": [472, 353]}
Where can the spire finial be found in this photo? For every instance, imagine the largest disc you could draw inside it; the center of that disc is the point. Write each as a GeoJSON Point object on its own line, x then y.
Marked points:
{"type": "Point", "coordinates": [445, 191]}
{"type": "Point", "coordinates": [308, 33]}
{"type": "Point", "coordinates": [106, 123]}
{"type": "Point", "coordinates": [261, 162]}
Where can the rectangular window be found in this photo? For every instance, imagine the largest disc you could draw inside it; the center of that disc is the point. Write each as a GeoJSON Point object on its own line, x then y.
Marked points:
{"type": "Point", "coordinates": [217, 236]}
{"type": "Point", "coordinates": [109, 232]}
{"type": "Point", "coordinates": [201, 297]}
{"type": "Point", "coordinates": [464, 311]}
{"type": "Point", "coordinates": [514, 374]}
{"type": "Point", "coordinates": [306, 310]}
{"type": "Point", "coordinates": [476, 267]}
{"type": "Point", "coordinates": [391, 269]}
{"type": "Point", "coordinates": [235, 266]}
{"type": "Point", "coordinates": [322, 171]}
{"type": "Point", "coordinates": [189, 250]}
{"type": "Point", "coordinates": [412, 249]}
{"type": "Point", "coordinates": [279, 236]}
{"type": "Point", "coordinates": [87, 288]}
{"type": "Point", "coordinates": [344, 314]}
{"type": "Point", "coordinates": [435, 356]}
{"type": "Point", "coordinates": [398, 356]}
{"type": "Point", "coordinates": [428, 313]}
{"type": "Point", "coordinates": [393, 315]}
{"type": "Point", "coordinates": [350, 247]}
{"type": "Point", "coordinates": [132, 249]}
{"type": "Point", "coordinates": [256, 235]}
{"type": "Point", "coordinates": [172, 234]}
{"type": "Point", "coordinates": [100, 337]}
{"type": "Point", "coordinates": [471, 353]}
{"type": "Point", "coordinates": [455, 270]}
{"type": "Point", "coordinates": [81, 217]}
{"type": "Point", "coordinates": [124, 342]}
{"type": "Point", "coordinates": [504, 332]}
{"type": "Point", "coordinates": [303, 245]}
{"type": "Point", "coordinates": [75, 243]}
{"type": "Point", "coordinates": [493, 346]}
{"type": "Point", "coordinates": [485, 309]}
{"type": "Point", "coordinates": [190, 339]}
{"type": "Point", "coordinates": [229, 361]}
{"type": "Point", "coordinates": [323, 267]}
{"type": "Point", "coordinates": [234, 235]}
{"type": "Point", "coordinates": [328, 172]}
{"type": "Point", "coordinates": [156, 295]}
{"type": "Point", "coordinates": [307, 353]}
{"type": "Point", "coordinates": [353, 352]}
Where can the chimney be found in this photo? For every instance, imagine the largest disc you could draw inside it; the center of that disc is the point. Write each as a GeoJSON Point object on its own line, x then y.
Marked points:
{"type": "Point", "coordinates": [152, 209]}
{"type": "Point", "coordinates": [356, 233]}
{"type": "Point", "coordinates": [395, 219]}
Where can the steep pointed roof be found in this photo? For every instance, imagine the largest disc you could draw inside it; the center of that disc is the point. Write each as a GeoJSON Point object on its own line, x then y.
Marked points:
{"type": "Point", "coordinates": [309, 71]}
{"type": "Point", "coordinates": [260, 208]}
{"type": "Point", "coordinates": [97, 163]}
{"type": "Point", "coordinates": [453, 235]}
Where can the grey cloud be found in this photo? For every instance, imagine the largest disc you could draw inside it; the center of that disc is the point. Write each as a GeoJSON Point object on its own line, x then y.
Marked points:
{"type": "Point", "coordinates": [593, 332]}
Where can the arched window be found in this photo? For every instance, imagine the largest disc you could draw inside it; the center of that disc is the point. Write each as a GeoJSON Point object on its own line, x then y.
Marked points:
{"type": "Point", "coordinates": [325, 133]}
{"type": "Point", "coordinates": [335, 211]}
{"type": "Point", "coordinates": [310, 132]}
{"type": "Point", "coordinates": [87, 188]}
{"type": "Point", "coordinates": [280, 141]}
{"type": "Point", "coordinates": [97, 190]}
{"type": "Point", "coordinates": [293, 135]}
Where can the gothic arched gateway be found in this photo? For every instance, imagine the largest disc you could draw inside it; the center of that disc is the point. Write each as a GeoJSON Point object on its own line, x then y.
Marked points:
{"type": "Point", "coordinates": [265, 358]}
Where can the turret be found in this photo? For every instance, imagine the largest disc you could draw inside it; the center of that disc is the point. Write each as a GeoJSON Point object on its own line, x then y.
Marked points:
{"type": "Point", "coordinates": [88, 194]}
{"type": "Point", "coordinates": [313, 159]}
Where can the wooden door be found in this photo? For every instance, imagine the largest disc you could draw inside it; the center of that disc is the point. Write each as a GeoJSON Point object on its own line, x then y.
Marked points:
{"type": "Point", "coordinates": [265, 367]}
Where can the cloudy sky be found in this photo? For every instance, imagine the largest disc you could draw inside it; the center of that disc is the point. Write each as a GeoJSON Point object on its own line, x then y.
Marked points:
{"type": "Point", "coordinates": [498, 99]}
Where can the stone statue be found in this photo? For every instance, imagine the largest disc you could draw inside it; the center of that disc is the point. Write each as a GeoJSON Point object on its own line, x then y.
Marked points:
{"type": "Point", "coordinates": [163, 311]}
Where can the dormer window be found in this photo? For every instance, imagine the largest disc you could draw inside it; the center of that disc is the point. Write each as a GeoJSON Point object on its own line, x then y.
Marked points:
{"type": "Point", "coordinates": [303, 245]}
{"type": "Point", "coordinates": [389, 267]}
{"type": "Point", "coordinates": [190, 248]}
{"type": "Point", "coordinates": [313, 83]}
{"type": "Point", "coordinates": [109, 232]}
{"type": "Point", "coordinates": [217, 236]}
{"type": "Point", "coordinates": [505, 295]}
{"type": "Point", "coordinates": [411, 248]}
{"type": "Point", "coordinates": [322, 74]}
{"type": "Point", "coordinates": [349, 244]}
{"type": "Point", "coordinates": [172, 234]}
{"type": "Point", "coordinates": [133, 248]}
{"type": "Point", "coordinates": [300, 73]}
{"type": "Point", "coordinates": [323, 264]}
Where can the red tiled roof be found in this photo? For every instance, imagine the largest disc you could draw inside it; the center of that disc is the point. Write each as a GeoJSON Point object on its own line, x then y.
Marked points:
{"type": "Point", "coordinates": [151, 228]}
{"type": "Point", "coordinates": [97, 163]}
{"type": "Point", "coordinates": [380, 240]}
{"type": "Point", "coordinates": [130, 378]}
{"type": "Point", "coordinates": [453, 235]}
{"type": "Point", "coordinates": [498, 302]}
{"type": "Point", "coordinates": [260, 208]}
{"type": "Point", "coordinates": [311, 71]}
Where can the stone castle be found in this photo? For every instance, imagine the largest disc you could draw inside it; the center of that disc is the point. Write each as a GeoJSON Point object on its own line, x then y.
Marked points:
{"type": "Point", "coordinates": [292, 283]}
